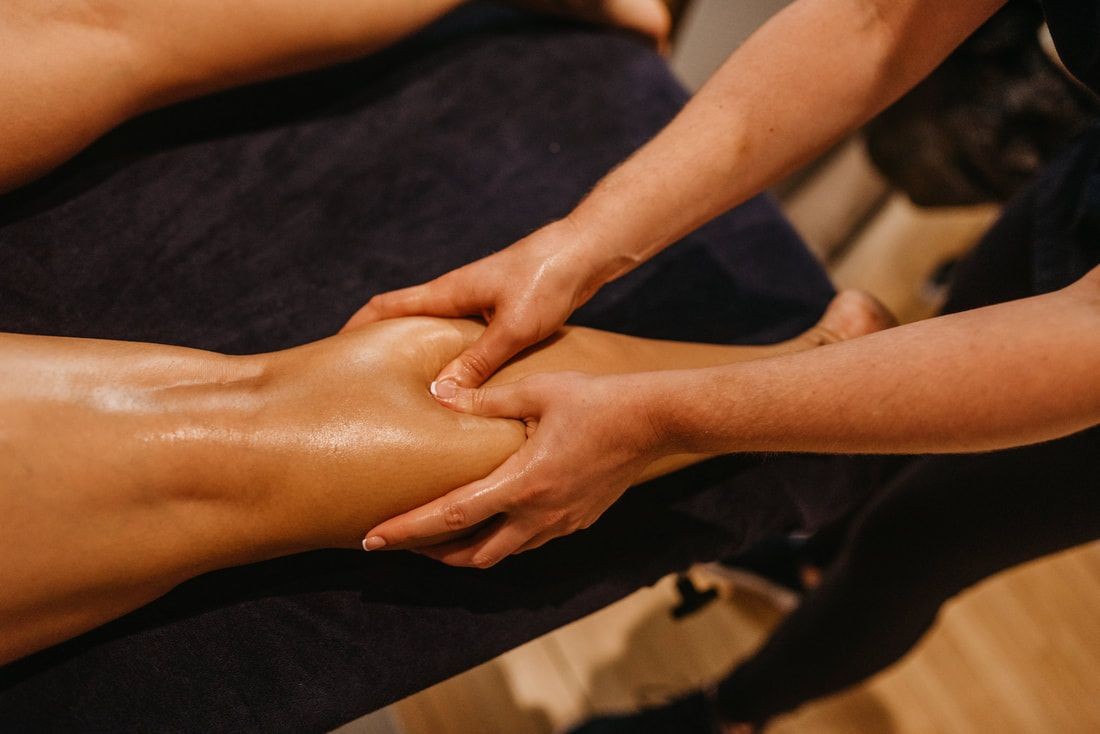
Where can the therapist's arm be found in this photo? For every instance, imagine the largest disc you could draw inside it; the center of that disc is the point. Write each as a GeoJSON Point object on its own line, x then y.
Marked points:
{"type": "Point", "coordinates": [992, 378]}
{"type": "Point", "coordinates": [815, 72]}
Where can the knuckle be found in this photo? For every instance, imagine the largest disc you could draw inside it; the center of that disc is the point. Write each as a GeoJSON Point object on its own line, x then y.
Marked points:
{"type": "Point", "coordinates": [454, 516]}
{"type": "Point", "coordinates": [552, 518]}
{"type": "Point", "coordinates": [533, 494]}
{"type": "Point", "coordinates": [510, 502]}
{"type": "Point", "coordinates": [569, 523]}
{"type": "Point", "coordinates": [476, 363]}
{"type": "Point", "coordinates": [477, 401]}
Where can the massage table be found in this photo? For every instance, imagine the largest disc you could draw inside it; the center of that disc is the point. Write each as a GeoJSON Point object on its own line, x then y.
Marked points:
{"type": "Point", "coordinates": [262, 218]}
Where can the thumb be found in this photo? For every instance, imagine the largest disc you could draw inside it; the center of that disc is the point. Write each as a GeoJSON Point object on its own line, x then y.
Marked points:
{"type": "Point", "coordinates": [368, 314]}
{"type": "Point", "coordinates": [434, 298]}
{"type": "Point", "coordinates": [477, 364]}
{"type": "Point", "coordinates": [504, 401]}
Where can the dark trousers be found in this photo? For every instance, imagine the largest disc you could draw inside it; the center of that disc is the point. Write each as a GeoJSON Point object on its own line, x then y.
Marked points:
{"type": "Point", "coordinates": [944, 523]}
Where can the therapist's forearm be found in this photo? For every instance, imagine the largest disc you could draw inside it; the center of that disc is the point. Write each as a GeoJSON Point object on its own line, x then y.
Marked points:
{"type": "Point", "coordinates": [992, 378]}
{"type": "Point", "coordinates": [812, 74]}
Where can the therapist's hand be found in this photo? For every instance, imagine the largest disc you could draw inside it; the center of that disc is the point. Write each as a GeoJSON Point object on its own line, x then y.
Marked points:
{"type": "Point", "coordinates": [588, 440]}
{"type": "Point", "coordinates": [525, 293]}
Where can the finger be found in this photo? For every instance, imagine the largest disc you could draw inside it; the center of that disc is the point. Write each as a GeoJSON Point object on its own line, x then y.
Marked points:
{"type": "Point", "coordinates": [485, 551]}
{"type": "Point", "coordinates": [448, 548]}
{"type": "Point", "coordinates": [457, 510]}
{"type": "Point", "coordinates": [503, 401]}
{"type": "Point", "coordinates": [428, 299]}
{"type": "Point", "coordinates": [496, 345]}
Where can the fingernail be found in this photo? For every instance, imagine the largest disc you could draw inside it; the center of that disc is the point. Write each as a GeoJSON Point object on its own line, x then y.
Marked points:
{"type": "Point", "coordinates": [373, 542]}
{"type": "Point", "coordinates": [444, 389]}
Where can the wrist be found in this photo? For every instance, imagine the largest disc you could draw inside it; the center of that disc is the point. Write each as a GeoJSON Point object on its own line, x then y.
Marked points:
{"type": "Point", "coordinates": [600, 253]}
{"type": "Point", "coordinates": [687, 408]}
{"type": "Point", "coordinates": [619, 237]}
{"type": "Point", "coordinates": [651, 410]}
{"type": "Point", "coordinates": [575, 255]}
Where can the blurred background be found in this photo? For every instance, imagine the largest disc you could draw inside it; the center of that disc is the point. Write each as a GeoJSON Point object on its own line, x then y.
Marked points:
{"type": "Point", "coordinates": [888, 211]}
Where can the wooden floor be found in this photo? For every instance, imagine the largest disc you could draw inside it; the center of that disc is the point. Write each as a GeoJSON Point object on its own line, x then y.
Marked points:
{"type": "Point", "coordinates": [1019, 654]}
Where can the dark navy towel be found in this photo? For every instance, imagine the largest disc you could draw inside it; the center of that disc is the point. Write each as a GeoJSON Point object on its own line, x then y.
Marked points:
{"type": "Point", "coordinates": [263, 218]}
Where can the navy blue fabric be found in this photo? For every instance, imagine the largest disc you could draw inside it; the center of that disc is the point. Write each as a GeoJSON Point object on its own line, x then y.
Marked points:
{"type": "Point", "coordinates": [263, 218]}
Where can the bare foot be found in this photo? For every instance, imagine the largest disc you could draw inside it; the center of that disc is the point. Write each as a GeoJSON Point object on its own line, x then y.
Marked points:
{"type": "Point", "coordinates": [850, 314]}
{"type": "Point", "coordinates": [649, 18]}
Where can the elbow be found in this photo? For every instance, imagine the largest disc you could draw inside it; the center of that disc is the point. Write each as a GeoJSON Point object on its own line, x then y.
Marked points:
{"type": "Point", "coordinates": [892, 64]}
{"type": "Point", "coordinates": [909, 39]}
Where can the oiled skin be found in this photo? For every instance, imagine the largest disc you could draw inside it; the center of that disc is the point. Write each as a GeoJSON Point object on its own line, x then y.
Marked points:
{"type": "Point", "coordinates": [128, 468]}
{"type": "Point", "coordinates": [74, 69]}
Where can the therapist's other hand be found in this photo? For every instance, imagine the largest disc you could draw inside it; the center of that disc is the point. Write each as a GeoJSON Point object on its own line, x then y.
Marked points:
{"type": "Point", "coordinates": [588, 439]}
{"type": "Point", "coordinates": [524, 292]}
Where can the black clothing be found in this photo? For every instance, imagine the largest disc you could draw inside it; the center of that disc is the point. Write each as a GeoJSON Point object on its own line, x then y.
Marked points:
{"type": "Point", "coordinates": [944, 523]}
{"type": "Point", "coordinates": [985, 123]}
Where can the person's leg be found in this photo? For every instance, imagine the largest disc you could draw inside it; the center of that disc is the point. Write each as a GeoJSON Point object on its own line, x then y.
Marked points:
{"type": "Point", "coordinates": [943, 525]}
{"type": "Point", "coordinates": [80, 68]}
{"type": "Point", "coordinates": [127, 468]}
{"type": "Point", "coordinates": [77, 69]}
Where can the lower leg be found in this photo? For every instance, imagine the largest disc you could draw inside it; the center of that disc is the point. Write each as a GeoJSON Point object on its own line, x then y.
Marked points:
{"type": "Point", "coordinates": [128, 468]}
{"type": "Point", "coordinates": [849, 315]}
